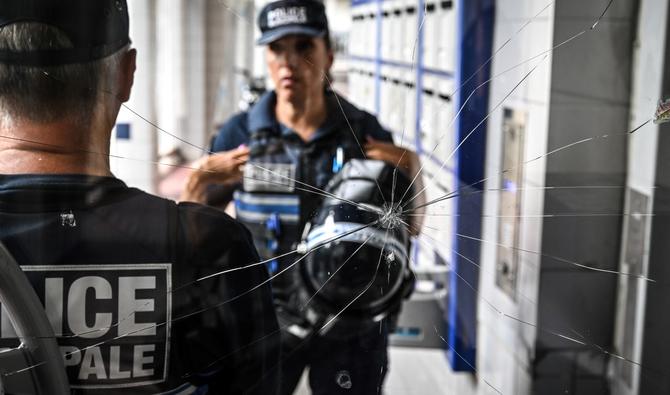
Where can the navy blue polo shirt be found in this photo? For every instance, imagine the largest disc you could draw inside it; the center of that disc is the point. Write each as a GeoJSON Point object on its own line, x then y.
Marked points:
{"type": "Point", "coordinates": [237, 130]}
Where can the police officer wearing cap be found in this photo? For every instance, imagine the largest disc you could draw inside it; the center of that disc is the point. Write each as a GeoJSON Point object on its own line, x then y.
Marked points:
{"type": "Point", "coordinates": [274, 161]}
{"type": "Point", "coordinates": [145, 295]}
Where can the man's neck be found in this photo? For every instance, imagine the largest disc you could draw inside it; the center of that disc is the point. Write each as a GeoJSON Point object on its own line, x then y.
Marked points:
{"type": "Point", "coordinates": [61, 147]}
{"type": "Point", "coordinates": [305, 117]}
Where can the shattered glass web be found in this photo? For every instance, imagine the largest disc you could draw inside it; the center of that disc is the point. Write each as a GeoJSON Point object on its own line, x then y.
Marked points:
{"type": "Point", "coordinates": [395, 210]}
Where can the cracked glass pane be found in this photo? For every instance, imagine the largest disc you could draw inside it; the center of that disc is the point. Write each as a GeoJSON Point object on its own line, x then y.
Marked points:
{"type": "Point", "coordinates": [422, 196]}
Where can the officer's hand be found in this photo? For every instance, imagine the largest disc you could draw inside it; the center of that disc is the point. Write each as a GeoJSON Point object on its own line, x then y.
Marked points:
{"type": "Point", "coordinates": [223, 168]}
{"type": "Point", "coordinates": [404, 159]}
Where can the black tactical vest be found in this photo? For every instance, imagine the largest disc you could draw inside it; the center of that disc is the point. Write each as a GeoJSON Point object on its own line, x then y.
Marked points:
{"type": "Point", "coordinates": [97, 252]}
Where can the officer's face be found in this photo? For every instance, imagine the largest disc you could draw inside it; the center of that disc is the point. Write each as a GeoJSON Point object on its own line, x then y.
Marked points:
{"type": "Point", "coordinates": [298, 66]}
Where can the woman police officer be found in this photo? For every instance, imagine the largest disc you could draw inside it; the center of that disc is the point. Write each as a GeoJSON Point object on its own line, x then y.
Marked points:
{"type": "Point", "coordinates": [275, 158]}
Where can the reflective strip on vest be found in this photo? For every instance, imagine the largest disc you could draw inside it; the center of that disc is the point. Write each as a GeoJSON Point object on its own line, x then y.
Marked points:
{"type": "Point", "coordinates": [372, 236]}
{"type": "Point", "coordinates": [257, 207]}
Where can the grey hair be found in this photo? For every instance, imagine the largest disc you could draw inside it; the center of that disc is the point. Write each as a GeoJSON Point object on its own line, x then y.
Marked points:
{"type": "Point", "coordinates": [45, 94]}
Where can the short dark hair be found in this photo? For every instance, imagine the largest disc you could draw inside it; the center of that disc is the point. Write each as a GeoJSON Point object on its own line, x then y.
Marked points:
{"type": "Point", "coordinates": [47, 93]}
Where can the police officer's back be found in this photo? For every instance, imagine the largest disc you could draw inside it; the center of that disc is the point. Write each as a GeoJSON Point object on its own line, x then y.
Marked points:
{"type": "Point", "coordinates": [116, 267]}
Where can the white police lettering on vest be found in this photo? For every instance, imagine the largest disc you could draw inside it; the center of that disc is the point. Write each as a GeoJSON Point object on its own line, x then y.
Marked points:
{"type": "Point", "coordinates": [270, 177]}
{"type": "Point", "coordinates": [286, 16]}
{"type": "Point", "coordinates": [112, 321]}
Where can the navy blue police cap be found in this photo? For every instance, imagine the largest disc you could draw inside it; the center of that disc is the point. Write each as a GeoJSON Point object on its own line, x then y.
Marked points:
{"type": "Point", "coordinates": [96, 28]}
{"type": "Point", "coordinates": [285, 17]}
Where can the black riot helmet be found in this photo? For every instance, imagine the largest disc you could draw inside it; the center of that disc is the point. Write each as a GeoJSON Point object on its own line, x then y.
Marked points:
{"type": "Point", "coordinates": [363, 274]}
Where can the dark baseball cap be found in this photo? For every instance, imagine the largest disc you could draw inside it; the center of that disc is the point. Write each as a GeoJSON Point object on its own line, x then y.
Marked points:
{"type": "Point", "coordinates": [284, 17]}
{"type": "Point", "coordinates": [96, 28]}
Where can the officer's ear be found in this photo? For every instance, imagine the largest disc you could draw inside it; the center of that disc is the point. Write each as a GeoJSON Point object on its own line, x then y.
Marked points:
{"type": "Point", "coordinates": [126, 75]}
{"type": "Point", "coordinates": [331, 59]}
